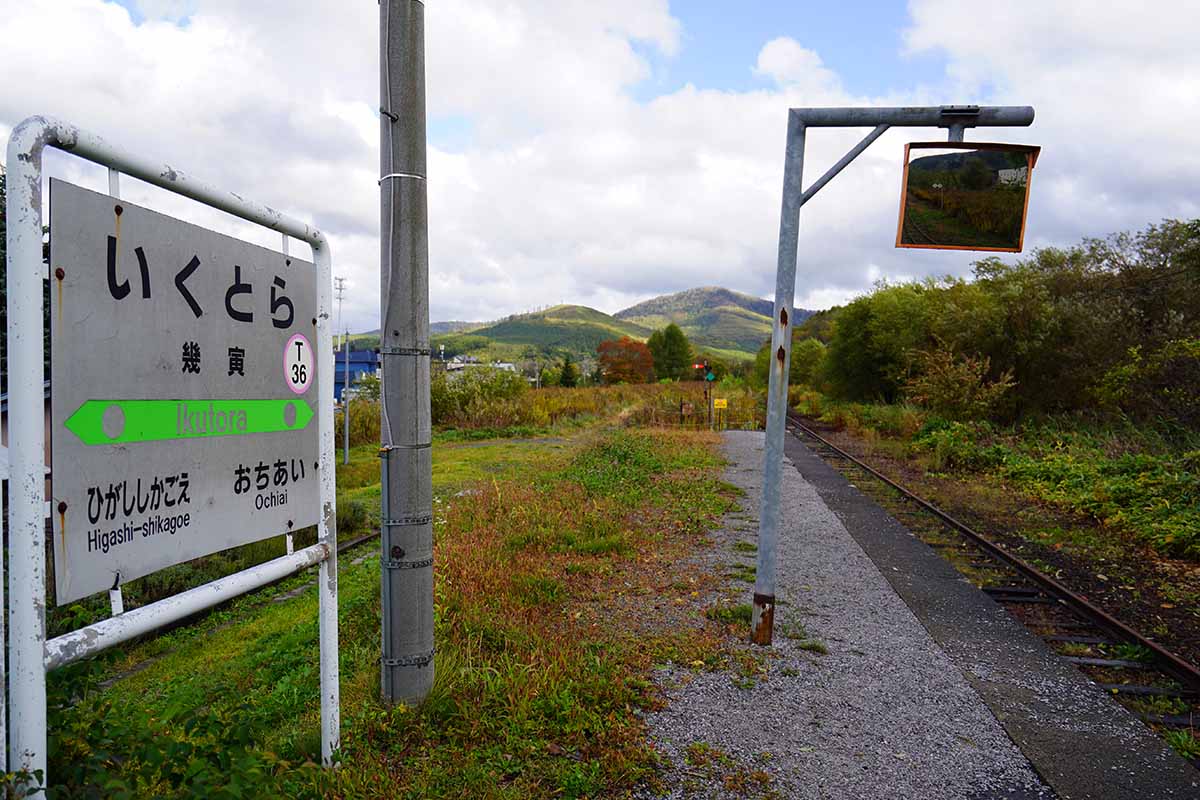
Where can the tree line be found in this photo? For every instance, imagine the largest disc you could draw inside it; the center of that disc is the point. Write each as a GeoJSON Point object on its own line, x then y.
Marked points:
{"type": "Point", "coordinates": [1110, 325]}
{"type": "Point", "coordinates": [666, 356]}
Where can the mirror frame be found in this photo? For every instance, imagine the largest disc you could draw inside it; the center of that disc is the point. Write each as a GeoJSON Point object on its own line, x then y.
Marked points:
{"type": "Point", "coordinates": [1031, 152]}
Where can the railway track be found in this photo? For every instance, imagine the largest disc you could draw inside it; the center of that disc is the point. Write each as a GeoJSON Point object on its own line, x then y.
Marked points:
{"type": "Point", "coordinates": [1162, 688]}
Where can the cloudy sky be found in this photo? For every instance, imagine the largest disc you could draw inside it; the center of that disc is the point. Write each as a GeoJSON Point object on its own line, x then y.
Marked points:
{"type": "Point", "coordinates": [602, 152]}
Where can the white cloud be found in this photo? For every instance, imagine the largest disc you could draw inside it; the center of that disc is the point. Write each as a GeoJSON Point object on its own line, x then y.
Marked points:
{"type": "Point", "coordinates": [563, 187]}
{"type": "Point", "coordinates": [787, 63]}
{"type": "Point", "coordinates": [1116, 91]}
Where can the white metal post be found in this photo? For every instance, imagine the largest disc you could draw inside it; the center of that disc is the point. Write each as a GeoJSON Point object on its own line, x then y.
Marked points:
{"type": "Point", "coordinates": [327, 529]}
{"type": "Point", "coordinates": [28, 651]}
{"type": "Point", "coordinates": [3, 674]}
{"type": "Point", "coordinates": [26, 447]}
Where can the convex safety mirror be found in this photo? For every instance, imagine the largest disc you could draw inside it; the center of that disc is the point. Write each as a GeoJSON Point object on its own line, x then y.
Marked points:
{"type": "Point", "coordinates": [965, 195]}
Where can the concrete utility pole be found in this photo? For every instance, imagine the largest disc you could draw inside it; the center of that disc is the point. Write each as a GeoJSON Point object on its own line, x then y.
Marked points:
{"type": "Point", "coordinates": [406, 431]}
{"type": "Point", "coordinates": [339, 288]}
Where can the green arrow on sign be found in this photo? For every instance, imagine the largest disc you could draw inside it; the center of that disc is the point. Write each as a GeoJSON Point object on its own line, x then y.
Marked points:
{"type": "Point", "coordinates": [122, 421]}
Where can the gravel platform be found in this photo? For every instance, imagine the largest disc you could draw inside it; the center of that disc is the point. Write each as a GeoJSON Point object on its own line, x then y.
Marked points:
{"type": "Point", "coordinates": [885, 714]}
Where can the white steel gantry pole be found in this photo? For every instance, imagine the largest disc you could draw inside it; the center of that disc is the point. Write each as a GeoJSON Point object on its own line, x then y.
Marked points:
{"type": "Point", "coordinates": [406, 527]}
{"type": "Point", "coordinates": [956, 119]}
{"type": "Point", "coordinates": [762, 618]}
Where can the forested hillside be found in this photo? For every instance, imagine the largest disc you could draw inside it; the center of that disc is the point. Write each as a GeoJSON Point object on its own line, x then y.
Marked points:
{"type": "Point", "coordinates": [724, 323]}
{"type": "Point", "coordinates": [564, 328]}
{"type": "Point", "coordinates": [1072, 374]}
{"type": "Point", "coordinates": [728, 323]}
{"type": "Point", "coordinates": [1108, 325]}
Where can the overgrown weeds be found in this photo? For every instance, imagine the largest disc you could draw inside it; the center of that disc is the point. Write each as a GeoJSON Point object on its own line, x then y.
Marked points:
{"type": "Point", "coordinates": [1125, 477]}
{"type": "Point", "coordinates": [541, 661]}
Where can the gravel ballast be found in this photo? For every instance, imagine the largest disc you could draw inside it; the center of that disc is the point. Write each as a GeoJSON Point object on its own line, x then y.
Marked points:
{"type": "Point", "coordinates": [883, 714]}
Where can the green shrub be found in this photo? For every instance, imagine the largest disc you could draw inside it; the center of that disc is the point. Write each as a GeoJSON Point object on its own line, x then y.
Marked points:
{"type": "Point", "coordinates": [364, 422]}
{"type": "Point", "coordinates": [959, 445]}
{"type": "Point", "coordinates": [113, 752]}
{"type": "Point", "coordinates": [806, 401]}
{"type": "Point", "coordinates": [464, 398]}
{"type": "Point", "coordinates": [957, 387]}
{"type": "Point", "coordinates": [901, 421]}
{"type": "Point", "coordinates": [1156, 497]}
{"type": "Point", "coordinates": [351, 516]}
{"type": "Point", "coordinates": [1125, 308]}
{"type": "Point", "coordinates": [1164, 382]}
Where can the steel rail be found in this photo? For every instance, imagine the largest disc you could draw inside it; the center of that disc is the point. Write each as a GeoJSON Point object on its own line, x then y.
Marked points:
{"type": "Point", "coordinates": [1172, 663]}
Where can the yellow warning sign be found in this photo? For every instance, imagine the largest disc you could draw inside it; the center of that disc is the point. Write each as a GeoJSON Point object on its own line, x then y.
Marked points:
{"type": "Point", "coordinates": [720, 402]}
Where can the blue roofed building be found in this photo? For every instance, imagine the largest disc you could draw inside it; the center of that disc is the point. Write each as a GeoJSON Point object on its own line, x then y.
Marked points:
{"type": "Point", "coordinates": [360, 362]}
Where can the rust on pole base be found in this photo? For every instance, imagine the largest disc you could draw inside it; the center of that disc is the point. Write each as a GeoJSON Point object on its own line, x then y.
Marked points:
{"type": "Point", "coordinates": [762, 621]}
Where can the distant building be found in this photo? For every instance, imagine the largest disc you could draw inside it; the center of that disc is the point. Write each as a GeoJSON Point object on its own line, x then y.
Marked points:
{"type": "Point", "coordinates": [1011, 176]}
{"type": "Point", "coordinates": [360, 363]}
{"type": "Point", "coordinates": [459, 364]}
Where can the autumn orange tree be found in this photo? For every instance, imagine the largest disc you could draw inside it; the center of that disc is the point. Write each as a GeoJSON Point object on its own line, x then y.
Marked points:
{"type": "Point", "coordinates": [625, 360]}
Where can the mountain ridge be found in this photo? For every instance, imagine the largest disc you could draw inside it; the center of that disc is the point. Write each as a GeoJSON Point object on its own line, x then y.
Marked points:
{"type": "Point", "coordinates": [723, 322]}
{"type": "Point", "coordinates": [693, 299]}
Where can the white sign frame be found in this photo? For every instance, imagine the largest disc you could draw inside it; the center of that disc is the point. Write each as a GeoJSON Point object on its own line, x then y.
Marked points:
{"type": "Point", "coordinates": [183, 335]}
{"type": "Point", "coordinates": [30, 654]}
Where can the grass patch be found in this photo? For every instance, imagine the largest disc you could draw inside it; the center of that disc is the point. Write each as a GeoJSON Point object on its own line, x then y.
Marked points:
{"type": "Point", "coordinates": [744, 573]}
{"type": "Point", "coordinates": [1184, 742]}
{"type": "Point", "coordinates": [539, 668]}
{"type": "Point", "coordinates": [538, 590]}
{"type": "Point", "coordinates": [793, 630]}
{"type": "Point", "coordinates": [730, 615]}
{"type": "Point", "coordinates": [702, 754]}
{"type": "Point", "coordinates": [1156, 704]}
{"type": "Point", "coordinates": [813, 646]}
{"type": "Point", "coordinates": [745, 547]}
{"type": "Point", "coordinates": [717, 767]}
{"type": "Point", "coordinates": [1075, 649]}
{"type": "Point", "coordinates": [1122, 475]}
{"type": "Point", "coordinates": [1124, 651]}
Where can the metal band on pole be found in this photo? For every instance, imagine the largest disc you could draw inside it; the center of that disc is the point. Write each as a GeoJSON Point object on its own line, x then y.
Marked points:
{"type": "Point", "coordinates": [391, 350]}
{"type": "Point", "coordinates": [400, 175]}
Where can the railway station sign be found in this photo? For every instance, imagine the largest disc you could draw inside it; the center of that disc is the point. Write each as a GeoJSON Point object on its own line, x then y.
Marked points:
{"type": "Point", "coordinates": [183, 391]}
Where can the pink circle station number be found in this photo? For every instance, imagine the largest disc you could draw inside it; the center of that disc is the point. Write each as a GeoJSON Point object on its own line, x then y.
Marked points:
{"type": "Point", "coordinates": [298, 364]}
